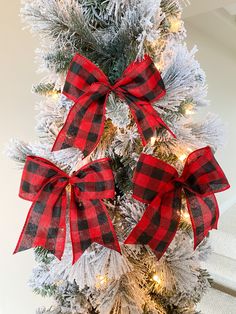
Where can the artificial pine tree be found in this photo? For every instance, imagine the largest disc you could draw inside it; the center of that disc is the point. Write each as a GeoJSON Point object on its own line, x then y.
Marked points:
{"type": "Point", "coordinates": [112, 34]}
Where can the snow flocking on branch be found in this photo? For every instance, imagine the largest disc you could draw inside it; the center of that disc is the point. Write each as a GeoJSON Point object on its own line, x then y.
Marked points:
{"type": "Point", "coordinates": [65, 27]}
{"type": "Point", "coordinates": [183, 78]}
{"type": "Point", "coordinates": [66, 159]}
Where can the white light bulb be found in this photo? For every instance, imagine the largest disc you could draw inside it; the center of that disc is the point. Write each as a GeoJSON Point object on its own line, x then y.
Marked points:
{"type": "Point", "coordinates": [153, 140]}
{"type": "Point", "coordinates": [189, 112]}
{"type": "Point", "coordinates": [156, 278]}
{"type": "Point", "coordinates": [185, 215]}
{"type": "Point", "coordinates": [182, 157]}
{"type": "Point", "coordinates": [101, 281]}
{"type": "Point", "coordinates": [175, 25]}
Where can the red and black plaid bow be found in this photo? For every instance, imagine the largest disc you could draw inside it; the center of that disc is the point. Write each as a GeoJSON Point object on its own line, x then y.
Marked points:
{"type": "Point", "coordinates": [45, 185]}
{"type": "Point", "coordinates": [140, 85]}
{"type": "Point", "coordinates": [158, 184]}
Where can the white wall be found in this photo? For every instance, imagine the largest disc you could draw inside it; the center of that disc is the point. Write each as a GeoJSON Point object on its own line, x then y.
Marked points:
{"type": "Point", "coordinates": [219, 64]}
{"type": "Point", "coordinates": [17, 120]}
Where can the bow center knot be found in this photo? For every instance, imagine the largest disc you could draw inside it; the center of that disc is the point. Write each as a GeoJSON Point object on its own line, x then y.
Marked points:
{"type": "Point", "coordinates": [72, 180]}
{"type": "Point", "coordinates": [178, 183]}
{"type": "Point", "coordinates": [104, 87]}
{"type": "Point", "coordinates": [109, 87]}
{"type": "Point", "coordinates": [172, 185]}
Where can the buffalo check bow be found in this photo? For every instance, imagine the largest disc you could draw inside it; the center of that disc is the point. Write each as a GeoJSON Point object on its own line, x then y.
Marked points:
{"type": "Point", "coordinates": [158, 184]}
{"type": "Point", "coordinates": [140, 85]}
{"type": "Point", "coordinates": [46, 186]}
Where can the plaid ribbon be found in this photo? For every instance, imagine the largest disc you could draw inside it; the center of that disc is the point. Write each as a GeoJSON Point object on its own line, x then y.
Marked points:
{"type": "Point", "coordinates": [158, 184]}
{"type": "Point", "coordinates": [46, 186]}
{"type": "Point", "coordinates": [140, 85]}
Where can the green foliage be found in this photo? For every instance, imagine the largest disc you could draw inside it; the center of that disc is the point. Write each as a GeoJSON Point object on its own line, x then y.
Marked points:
{"type": "Point", "coordinates": [43, 88]}
{"type": "Point", "coordinates": [186, 227]}
{"type": "Point", "coordinates": [46, 290]}
{"type": "Point", "coordinates": [75, 30]}
{"type": "Point", "coordinates": [205, 280]}
{"type": "Point", "coordinates": [95, 12]}
{"type": "Point", "coordinates": [170, 7]}
{"type": "Point", "coordinates": [123, 176]}
{"type": "Point", "coordinates": [58, 61]}
{"type": "Point", "coordinates": [42, 255]}
{"type": "Point", "coordinates": [163, 150]}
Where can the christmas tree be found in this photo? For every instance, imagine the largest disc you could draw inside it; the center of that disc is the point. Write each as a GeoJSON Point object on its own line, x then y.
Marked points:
{"type": "Point", "coordinates": [125, 63]}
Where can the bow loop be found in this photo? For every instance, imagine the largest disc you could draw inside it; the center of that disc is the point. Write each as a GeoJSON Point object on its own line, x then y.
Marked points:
{"type": "Point", "coordinates": [142, 82]}
{"type": "Point", "coordinates": [99, 89]}
{"type": "Point", "coordinates": [152, 178]}
{"type": "Point", "coordinates": [140, 85]}
{"type": "Point", "coordinates": [83, 73]}
{"type": "Point", "coordinates": [202, 174]}
{"type": "Point", "coordinates": [42, 171]}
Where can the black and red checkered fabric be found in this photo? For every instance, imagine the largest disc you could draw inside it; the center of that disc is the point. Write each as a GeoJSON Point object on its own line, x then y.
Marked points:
{"type": "Point", "coordinates": [158, 184]}
{"type": "Point", "coordinates": [140, 85]}
{"type": "Point", "coordinates": [46, 186]}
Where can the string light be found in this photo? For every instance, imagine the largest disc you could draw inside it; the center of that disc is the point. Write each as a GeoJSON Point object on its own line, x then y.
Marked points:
{"type": "Point", "coordinates": [153, 140]}
{"type": "Point", "coordinates": [189, 112]}
{"type": "Point", "coordinates": [54, 94]}
{"type": "Point", "coordinates": [175, 24]}
{"type": "Point", "coordinates": [101, 281]}
{"type": "Point", "coordinates": [68, 188]}
{"type": "Point", "coordinates": [156, 279]}
{"type": "Point", "coordinates": [185, 215]}
{"type": "Point", "coordinates": [182, 157]}
{"type": "Point", "coordinates": [160, 65]}
{"type": "Point", "coordinates": [188, 109]}
{"type": "Point", "coordinates": [60, 283]}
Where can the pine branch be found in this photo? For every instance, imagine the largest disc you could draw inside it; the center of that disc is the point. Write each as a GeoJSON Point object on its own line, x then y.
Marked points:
{"type": "Point", "coordinates": [43, 89]}
{"type": "Point", "coordinates": [58, 61]}
{"type": "Point", "coordinates": [42, 255]}
{"type": "Point", "coordinates": [62, 23]}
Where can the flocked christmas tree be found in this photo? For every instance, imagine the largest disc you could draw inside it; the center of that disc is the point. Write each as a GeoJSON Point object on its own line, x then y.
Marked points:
{"type": "Point", "coordinates": [113, 34]}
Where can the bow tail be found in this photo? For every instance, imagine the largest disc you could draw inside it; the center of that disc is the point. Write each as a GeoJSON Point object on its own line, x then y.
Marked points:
{"type": "Point", "coordinates": [147, 120]}
{"type": "Point", "coordinates": [89, 223]}
{"type": "Point", "coordinates": [45, 224]}
{"type": "Point", "coordinates": [204, 214]}
{"type": "Point", "coordinates": [84, 124]}
{"type": "Point", "coordinates": [159, 223]}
